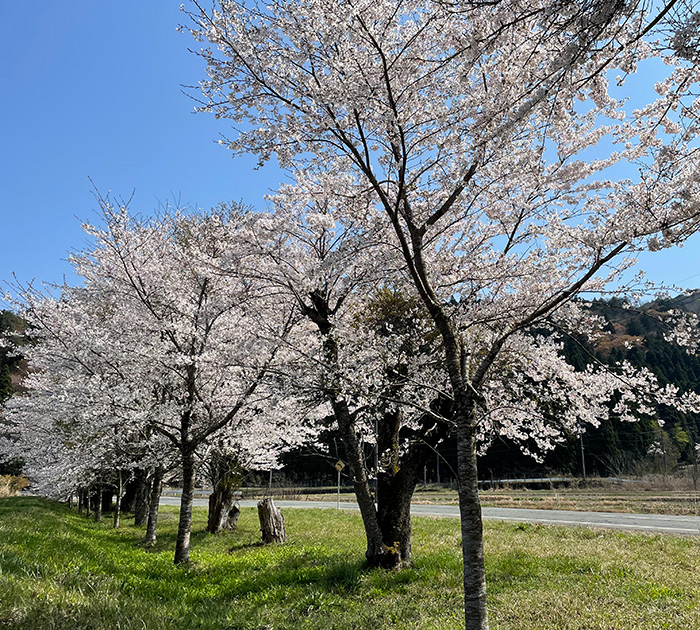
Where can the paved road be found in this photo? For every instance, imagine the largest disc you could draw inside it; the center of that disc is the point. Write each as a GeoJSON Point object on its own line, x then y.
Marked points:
{"type": "Point", "coordinates": [609, 520]}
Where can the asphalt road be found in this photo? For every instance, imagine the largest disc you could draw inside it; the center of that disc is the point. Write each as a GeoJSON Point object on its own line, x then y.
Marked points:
{"type": "Point", "coordinates": [658, 523]}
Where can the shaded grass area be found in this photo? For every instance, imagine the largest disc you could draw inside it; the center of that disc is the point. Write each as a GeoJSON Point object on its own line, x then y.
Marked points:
{"type": "Point", "coordinates": [59, 570]}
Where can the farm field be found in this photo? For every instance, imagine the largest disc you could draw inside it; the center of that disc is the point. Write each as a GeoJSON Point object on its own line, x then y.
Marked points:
{"type": "Point", "coordinates": [59, 570]}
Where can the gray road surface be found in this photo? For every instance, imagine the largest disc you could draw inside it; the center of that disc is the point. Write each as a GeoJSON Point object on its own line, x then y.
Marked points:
{"type": "Point", "coordinates": [689, 525]}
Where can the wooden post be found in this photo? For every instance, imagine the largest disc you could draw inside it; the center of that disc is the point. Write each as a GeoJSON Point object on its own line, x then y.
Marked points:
{"type": "Point", "coordinates": [271, 522]}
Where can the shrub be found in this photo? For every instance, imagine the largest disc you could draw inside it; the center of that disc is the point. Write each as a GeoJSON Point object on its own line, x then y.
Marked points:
{"type": "Point", "coordinates": [11, 485]}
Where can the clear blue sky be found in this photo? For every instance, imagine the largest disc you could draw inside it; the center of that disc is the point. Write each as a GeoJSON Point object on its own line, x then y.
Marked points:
{"type": "Point", "coordinates": [93, 89]}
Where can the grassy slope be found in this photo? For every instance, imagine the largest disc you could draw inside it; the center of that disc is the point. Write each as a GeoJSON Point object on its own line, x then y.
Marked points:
{"type": "Point", "coordinates": [59, 570]}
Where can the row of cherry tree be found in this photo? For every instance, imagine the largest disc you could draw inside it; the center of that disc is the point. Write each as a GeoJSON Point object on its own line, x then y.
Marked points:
{"type": "Point", "coordinates": [463, 175]}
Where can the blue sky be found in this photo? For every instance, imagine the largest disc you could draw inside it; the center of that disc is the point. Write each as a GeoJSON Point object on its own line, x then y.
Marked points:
{"type": "Point", "coordinates": [93, 90]}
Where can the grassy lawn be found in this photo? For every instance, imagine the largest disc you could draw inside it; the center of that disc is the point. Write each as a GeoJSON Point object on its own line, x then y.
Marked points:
{"type": "Point", "coordinates": [59, 570]}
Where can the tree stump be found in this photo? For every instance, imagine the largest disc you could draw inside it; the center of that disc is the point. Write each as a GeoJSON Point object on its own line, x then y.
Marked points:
{"type": "Point", "coordinates": [223, 511]}
{"type": "Point", "coordinates": [271, 522]}
{"type": "Point", "coordinates": [233, 515]}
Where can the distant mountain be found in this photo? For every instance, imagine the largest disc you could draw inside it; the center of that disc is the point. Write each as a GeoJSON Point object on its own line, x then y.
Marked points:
{"type": "Point", "coordinates": [635, 334]}
{"type": "Point", "coordinates": [687, 302]}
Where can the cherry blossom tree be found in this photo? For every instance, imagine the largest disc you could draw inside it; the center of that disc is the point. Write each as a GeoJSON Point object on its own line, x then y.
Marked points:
{"type": "Point", "coordinates": [80, 424]}
{"type": "Point", "coordinates": [186, 350]}
{"type": "Point", "coordinates": [513, 175]}
{"type": "Point", "coordinates": [205, 339]}
{"type": "Point", "coordinates": [358, 361]}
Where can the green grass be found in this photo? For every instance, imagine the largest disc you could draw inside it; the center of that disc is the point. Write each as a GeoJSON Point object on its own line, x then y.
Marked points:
{"type": "Point", "coordinates": [59, 570]}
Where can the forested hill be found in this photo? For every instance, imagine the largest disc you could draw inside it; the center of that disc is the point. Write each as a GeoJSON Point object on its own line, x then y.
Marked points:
{"type": "Point", "coordinates": [619, 448]}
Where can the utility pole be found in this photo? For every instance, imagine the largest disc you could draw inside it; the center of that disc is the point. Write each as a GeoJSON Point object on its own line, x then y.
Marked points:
{"type": "Point", "coordinates": [583, 460]}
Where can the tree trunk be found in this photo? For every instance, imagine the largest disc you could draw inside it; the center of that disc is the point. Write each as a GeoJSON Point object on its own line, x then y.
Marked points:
{"type": "Point", "coordinates": [118, 501]}
{"type": "Point", "coordinates": [376, 549]}
{"type": "Point", "coordinates": [129, 494]}
{"type": "Point", "coordinates": [271, 522]}
{"type": "Point", "coordinates": [87, 502]}
{"type": "Point", "coordinates": [81, 499]}
{"type": "Point", "coordinates": [395, 485]}
{"type": "Point", "coordinates": [106, 498]}
{"type": "Point", "coordinates": [475, 612]}
{"type": "Point", "coordinates": [98, 503]}
{"type": "Point", "coordinates": [221, 507]}
{"type": "Point", "coordinates": [156, 490]}
{"type": "Point", "coordinates": [226, 479]}
{"type": "Point", "coordinates": [397, 478]}
{"type": "Point", "coordinates": [182, 546]}
{"type": "Point", "coordinates": [395, 522]}
{"type": "Point", "coordinates": [141, 498]}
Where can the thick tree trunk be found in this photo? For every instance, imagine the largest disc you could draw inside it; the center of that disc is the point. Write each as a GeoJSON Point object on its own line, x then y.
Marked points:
{"type": "Point", "coordinates": [141, 498]}
{"type": "Point", "coordinates": [182, 546]}
{"type": "Point", "coordinates": [106, 498]}
{"type": "Point", "coordinates": [81, 499]}
{"type": "Point", "coordinates": [118, 501]}
{"type": "Point", "coordinates": [226, 479]}
{"type": "Point", "coordinates": [377, 553]}
{"type": "Point", "coordinates": [395, 521]}
{"type": "Point", "coordinates": [221, 508]}
{"type": "Point", "coordinates": [475, 611]}
{"type": "Point", "coordinates": [376, 549]}
{"type": "Point", "coordinates": [156, 491]}
{"type": "Point", "coordinates": [396, 482]}
{"type": "Point", "coordinates": [129, 495]}
{"type": "Point", "coordinates": [87, 502]}
{"type": "Point", "coordinates": [271, 522]}
{"type": "Point", "coordinates": [397, 478]}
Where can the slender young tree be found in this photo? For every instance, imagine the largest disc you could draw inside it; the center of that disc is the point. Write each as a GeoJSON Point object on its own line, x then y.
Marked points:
{"type": "Point", "coordinates": [513, 176]}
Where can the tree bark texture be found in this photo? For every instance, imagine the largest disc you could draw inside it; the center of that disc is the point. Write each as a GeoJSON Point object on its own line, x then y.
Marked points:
{"type": "Point", "coordinates": [376, 549]}
{"type": "Point", "coordinates": [141, 498]}
{"type": "Point", "coordinates": [226, 480]}
{"type": "Point", "coordinates": [223, 513]}
{"type": "Point", "coordinates": [397, 478]}
{"type": "Point", "coordinates": [271, 522]}
{"type": "Point", "coordinates": [388, 522]}
{"type": "Point", "coordinates": [182, 546]}
{"type": "Point", "coordinates": [475, 611]}
{"type": "Point", "coordinates": [156, 491]}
